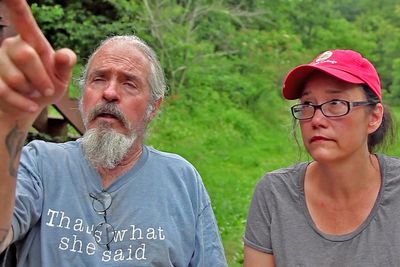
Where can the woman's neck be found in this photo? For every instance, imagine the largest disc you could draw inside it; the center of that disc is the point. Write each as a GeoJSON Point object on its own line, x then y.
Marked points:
{"type": "Point", "coordinates": [340, 196]}
{"type": "Point", "coordinates": [342, 179]}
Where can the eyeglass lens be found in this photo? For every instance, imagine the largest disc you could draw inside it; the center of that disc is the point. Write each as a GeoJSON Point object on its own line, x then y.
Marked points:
{"type": "Point", "coordinates": [101, 201]}
{"type": "Point", "coordinates": [334, 108]}
{"type": "Point", "coordinates": [104, 233]}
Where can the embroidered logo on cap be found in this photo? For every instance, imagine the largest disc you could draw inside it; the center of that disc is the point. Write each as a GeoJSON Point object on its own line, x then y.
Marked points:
{"type": "Point", "coordinates": [324, 58]}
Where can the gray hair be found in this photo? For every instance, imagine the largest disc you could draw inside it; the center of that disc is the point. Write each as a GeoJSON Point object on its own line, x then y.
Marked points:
{"type": "Point", "coordinates": [156, 78]}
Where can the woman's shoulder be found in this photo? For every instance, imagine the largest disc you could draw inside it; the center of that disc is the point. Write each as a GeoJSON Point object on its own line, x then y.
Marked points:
{"type": "Point", "coordinates": [289, 170]}
{"type": "Point", "coordinates": [388, 160]}
{"type": "Point", "coordinates": [390, 166]}
{"type": "Point", "coordinates": [287, 176]}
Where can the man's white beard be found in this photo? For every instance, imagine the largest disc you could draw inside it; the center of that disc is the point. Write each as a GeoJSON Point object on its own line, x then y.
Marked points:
{"type": "Point", "coordinates": [103, 146]}
{"type": "Point", "coordinates": [106, 148]}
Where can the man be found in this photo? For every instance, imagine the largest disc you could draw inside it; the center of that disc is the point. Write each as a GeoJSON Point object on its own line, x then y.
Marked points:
{"type": "Point", "coordinates": [106, 199]}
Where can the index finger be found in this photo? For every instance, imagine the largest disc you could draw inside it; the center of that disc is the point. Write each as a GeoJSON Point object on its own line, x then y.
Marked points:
{"type": "Point", "coordinates": [25, 24]}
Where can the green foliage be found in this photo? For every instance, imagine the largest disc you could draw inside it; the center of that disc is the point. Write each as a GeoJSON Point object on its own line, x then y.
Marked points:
{"type": "Point", "coordinates": [395, 92]}
{"type": "Point", "coordinates": [225, 61]}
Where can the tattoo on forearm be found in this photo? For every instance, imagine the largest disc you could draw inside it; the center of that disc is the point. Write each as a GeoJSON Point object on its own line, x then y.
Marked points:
{"type": "Point", "coordinates": [3, 234]}
{"type": "Point", "coordinates": [14, 141]}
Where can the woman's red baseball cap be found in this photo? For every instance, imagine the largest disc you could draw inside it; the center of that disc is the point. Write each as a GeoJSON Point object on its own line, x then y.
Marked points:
{"type": "Point", "coordinates": [347, 65]}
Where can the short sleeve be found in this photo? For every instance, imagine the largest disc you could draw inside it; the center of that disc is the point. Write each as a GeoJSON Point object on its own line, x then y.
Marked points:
{"type": "Point", "coordinates": [208, 245]}
{"type": "Point", "coordinates": [29, 193]}
{"type": "Point", "coordinates": [258, 227]}
{"type": "Point", "coordinates": [208, 248]}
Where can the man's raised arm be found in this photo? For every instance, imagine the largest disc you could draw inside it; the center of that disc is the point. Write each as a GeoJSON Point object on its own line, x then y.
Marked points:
{"type": "Point", "coordinates": [32, 76]}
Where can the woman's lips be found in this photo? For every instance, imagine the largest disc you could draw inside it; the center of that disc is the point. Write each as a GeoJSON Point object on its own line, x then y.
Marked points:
{"type": "Point", "coordinates": [319, 138]}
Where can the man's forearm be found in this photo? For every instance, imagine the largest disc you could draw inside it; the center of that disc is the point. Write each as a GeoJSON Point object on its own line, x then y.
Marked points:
{"type": "Point", "coordinates": [12, 136]}
{"type": "Point", "coordinates": [14, 141]}
{"type": "Point", "coordinates": [3, 234]}
{"type": "Point", "coordinates": [5, 238]}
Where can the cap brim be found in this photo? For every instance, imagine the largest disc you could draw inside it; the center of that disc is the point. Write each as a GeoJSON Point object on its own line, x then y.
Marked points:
{"type": "Point", "coordinates": [294, 81]}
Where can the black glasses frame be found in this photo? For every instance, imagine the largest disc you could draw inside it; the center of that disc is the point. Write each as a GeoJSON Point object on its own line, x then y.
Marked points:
{"type": "Point", "coordinates": [101, 203]}
{"type": "Point", "coordinates": [349, 105]}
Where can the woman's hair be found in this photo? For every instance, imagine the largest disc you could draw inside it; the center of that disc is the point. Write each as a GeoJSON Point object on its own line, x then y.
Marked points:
{"type": "Point", "coordinates": [383, 137]}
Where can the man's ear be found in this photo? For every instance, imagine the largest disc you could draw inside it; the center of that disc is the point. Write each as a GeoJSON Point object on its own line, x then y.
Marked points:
{"type": "Point", "coordinates": [376, 118]}
{"type": "Point", "coordinates": [156, 107]}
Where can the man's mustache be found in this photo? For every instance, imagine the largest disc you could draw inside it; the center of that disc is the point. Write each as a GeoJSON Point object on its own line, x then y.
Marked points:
{"type": "Point", "coordinates": [109, 109]}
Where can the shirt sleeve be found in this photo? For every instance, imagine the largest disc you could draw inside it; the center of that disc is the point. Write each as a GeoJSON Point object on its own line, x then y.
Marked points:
{"type": "Point", "coordinates": [209, 250]}
{"type": "Point", "coordinates": [29, 193]}
{"type": "Point", "coordinates": [258, 227]}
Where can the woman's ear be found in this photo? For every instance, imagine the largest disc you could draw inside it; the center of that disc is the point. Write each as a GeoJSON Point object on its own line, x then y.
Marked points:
{"type": "Point", "coordinates": [376, 118]}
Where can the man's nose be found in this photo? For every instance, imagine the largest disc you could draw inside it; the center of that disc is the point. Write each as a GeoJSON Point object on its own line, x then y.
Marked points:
{"type": "Point", "coordinates": [111, 92]}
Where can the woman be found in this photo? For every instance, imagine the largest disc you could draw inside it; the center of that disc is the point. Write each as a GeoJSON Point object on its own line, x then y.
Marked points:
{"type": "Point", "coordinates": [343, 207]}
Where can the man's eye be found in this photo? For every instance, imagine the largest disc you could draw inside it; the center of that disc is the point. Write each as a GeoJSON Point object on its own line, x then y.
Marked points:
{"type": "Point", "coordinates": [131, 85]}
{"type": "Point", "coordinates": [97, 79]}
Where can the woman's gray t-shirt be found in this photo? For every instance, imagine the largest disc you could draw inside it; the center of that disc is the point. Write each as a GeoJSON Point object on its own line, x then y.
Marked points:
{"type": "Point", "coordinates": [279, 223]}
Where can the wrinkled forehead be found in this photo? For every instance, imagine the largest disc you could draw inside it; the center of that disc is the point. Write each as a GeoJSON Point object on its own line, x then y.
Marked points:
{"type": "Point", "coordinates": [121, 55]}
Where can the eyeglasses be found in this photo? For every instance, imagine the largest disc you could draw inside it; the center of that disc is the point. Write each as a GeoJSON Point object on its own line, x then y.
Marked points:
{"type": "Point", "coordinates": [104, 232]}
{"type": "Point", "coordinates": [332, 108]}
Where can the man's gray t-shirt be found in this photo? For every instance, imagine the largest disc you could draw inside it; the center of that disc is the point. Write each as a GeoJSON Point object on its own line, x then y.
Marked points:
{"type": "Point", "coordinates": [160, 212]}
{"type": "Point", "coordinates": [279, 223]}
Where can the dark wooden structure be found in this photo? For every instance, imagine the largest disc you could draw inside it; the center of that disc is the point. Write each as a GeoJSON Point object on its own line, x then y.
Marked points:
{"type": "Point", "coordinates": [53, 128]}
